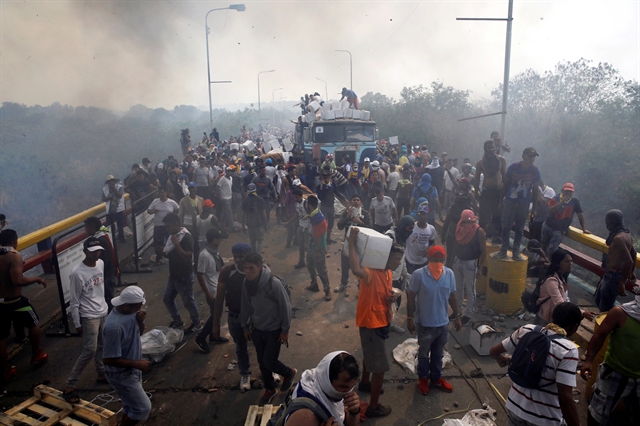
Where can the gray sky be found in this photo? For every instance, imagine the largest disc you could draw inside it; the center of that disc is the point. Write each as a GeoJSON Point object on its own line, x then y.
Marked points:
{"type": "Point", "coordinates": [116, 54]}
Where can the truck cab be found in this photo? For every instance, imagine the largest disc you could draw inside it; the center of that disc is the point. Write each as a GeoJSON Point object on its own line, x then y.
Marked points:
{"type": "Point", "coordinates": [355, 138]}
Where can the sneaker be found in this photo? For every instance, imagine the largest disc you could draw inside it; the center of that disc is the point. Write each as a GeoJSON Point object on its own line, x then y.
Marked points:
{"type": "Point", "coordinates": [176, 324]}
{"type": "Point", "coordinates": [313, 287]}
{"type": "Point", "coordinates": [153, 258]}
{"type": "Point", "coordinates": [423, 386]}
{"type": "Point", "coordinates": [193, 328]}
{"type": "Point", "coordinates": [366, 387]}
{"type": "Point", "coordinates": [339, 289]}
{"type": "Point", "coordinates": [300, 265]}
{"type": "Point", "coordinates": [39, 359]}
{"type": "Point", "coordinates": [443, 384]}
{"type": "Point", "coordinates": [396, 329]}
{"type": "Point", "coordinates": [380, 411]}
{"type": "Point", "coordinates": [452, 317]}
{"type": "Point", "coordinates": [500, 255]}
{"type": "Point", "coordinates": [245, 383]}
{"type": "Point", "coordinates": [466, 320]}
{"type": "Point", "coordinates": [327, 296]}
{"type": "Point", "coordinates": [268, 396]}
{"type": "Point", "coordinates": [517, 256]}
{"type": "Point", "coordinates": [203, 345]}
{"type": "Point", "coordinates": [164, 261]}
{"type": "Point", "coordinates": [288, 381]}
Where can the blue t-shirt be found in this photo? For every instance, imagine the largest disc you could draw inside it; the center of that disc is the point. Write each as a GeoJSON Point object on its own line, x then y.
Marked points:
{"type": "Point", "coordinates": [432, 296]}
{"type": "Point", "coordinates": [519, 190]}
{"type": "Point", "coordinates": [121, 339]}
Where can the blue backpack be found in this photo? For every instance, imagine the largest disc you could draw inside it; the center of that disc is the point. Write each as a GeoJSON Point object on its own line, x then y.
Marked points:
{"type": "Point", "coordinates": [530, 358]}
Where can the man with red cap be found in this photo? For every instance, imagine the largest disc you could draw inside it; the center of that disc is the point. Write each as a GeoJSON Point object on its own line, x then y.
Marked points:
{"type": "Point", "coordinates": [431, 288]}
{"type": "Point", "coordinates": [559, 218]}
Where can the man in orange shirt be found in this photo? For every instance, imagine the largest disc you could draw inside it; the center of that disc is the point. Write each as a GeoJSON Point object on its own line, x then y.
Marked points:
{"type": "Point", "coordinates": [372, 317]}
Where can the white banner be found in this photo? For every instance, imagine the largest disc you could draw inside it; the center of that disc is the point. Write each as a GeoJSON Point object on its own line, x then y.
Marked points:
{"type": "Point", "coordinates": [393, 140]}
{"type": "Point", "coordinates": [144, 231]}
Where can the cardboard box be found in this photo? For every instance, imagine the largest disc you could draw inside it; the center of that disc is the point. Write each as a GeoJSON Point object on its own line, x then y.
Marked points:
{"type": "Point", "coordinates": [328, 115]}
{"type": "Point", "coordinates": [344, 104]}
{"type": "Point", "coordinates": [373, 248]}
{"type": "Point", "coordinates": [249, 145]}
{"type": "Point", "coordinates": [338, 113]}
{"type": "Point", "coordinates": [484, 335]}
{"type": "Point", "coordinates": [274, 144]}
{"type": "Point", "coordinates": [356, 114]}
{"type": "Point", "coordinates": [235, 146]}
{"type": "Point", "coordinates": [310, 117]}
{"type": "Point", "coordinates": [366, 115]}
{"type": "Point", "coordinates": [348, 113]}
{"type": "Point", "coordinates": [335, 105]}
{"type": "Point", "coordinates": [288, 146]}
{"type": "Point", "coordinates": [313, 106]}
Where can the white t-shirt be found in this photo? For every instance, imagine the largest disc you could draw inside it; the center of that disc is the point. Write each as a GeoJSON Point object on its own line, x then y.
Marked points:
{"type": "Point", "coordinates": [224, 184]}
{"type": "Point", "coordinates": [418, 242]}
{"type": "Point", "coordinates": [383, 210]}
{"type": "Point", "coordinates": [448, 183]}
{"type": "Point", "coordinates": [392, 180]}
{"type": "Point", "coordinates": [207, 266]}
{"type": "Point", "coordinates": [86, 292]}
{"type": "Point", "coordinates": [164, 208]}
{"type": "Point", "coordinates": [543, 406]}
{"type": "Point", "coordinates": [302, 213]}
{"type": "Point", "coordinates": [201, 176]}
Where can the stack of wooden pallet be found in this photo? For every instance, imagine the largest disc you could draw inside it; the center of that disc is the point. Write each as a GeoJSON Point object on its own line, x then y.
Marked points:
{"type": "Point", "coordinates": [259, 416]}
{"type": "Point", "coordinates": [48, 408]}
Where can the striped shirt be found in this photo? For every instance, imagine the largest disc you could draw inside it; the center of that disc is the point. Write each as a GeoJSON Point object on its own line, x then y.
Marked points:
{"type": "Point", "coordinates": [542, 406]}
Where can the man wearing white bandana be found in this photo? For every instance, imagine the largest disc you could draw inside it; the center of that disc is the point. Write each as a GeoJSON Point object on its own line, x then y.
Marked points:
{"type": "Point", "coordinates": [330, 385]}
{"type": "Point", "coordinates": [619, 375]}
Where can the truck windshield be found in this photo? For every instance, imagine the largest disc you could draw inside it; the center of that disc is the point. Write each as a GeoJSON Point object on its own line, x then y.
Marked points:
{"type": "Point", "coordinates": [328, 133]}
{"type": "Point", "coordinates": [360, 133]}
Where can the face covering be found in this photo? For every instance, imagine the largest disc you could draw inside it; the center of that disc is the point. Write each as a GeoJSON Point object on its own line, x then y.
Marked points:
{"type": "Point", "coordinates": [436, 269]}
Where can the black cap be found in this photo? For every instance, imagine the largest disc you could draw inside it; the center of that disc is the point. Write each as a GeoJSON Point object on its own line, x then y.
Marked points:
{"type": "Point", "coordinates": [92, 244]}
{"type": "Point", "coordinates": [530, 151]}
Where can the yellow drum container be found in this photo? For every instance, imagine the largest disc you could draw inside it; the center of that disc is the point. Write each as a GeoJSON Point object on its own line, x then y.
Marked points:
{"type": "Point", "coordinates": [507, 281]}
{"type": "Point", "coordinates": [481, 283]}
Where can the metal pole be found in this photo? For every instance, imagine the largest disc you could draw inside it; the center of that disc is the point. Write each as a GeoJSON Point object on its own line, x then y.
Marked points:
{"type": "Point", "coordinates": [259, 110]}
{"type": "Point", "coordinates": [350, 66]}
{"type": "Point", "coordinates": [273, 106]}
{"type": "Point", "coordinates": [505, 83]}
{"type": "Point", "coordinates": [326, 92]}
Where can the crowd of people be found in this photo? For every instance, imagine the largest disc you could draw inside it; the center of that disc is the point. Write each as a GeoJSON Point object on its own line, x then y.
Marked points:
{"type": "Point", "coordinates": [224, 187]}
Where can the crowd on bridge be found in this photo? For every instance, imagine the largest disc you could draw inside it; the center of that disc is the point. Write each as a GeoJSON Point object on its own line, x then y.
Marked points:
{"type": "Point", "coordinates": [221, 187]}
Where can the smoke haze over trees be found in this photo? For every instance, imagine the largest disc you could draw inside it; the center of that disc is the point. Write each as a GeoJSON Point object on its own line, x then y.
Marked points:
{"type": "Point", "coordinates": [583, 118]}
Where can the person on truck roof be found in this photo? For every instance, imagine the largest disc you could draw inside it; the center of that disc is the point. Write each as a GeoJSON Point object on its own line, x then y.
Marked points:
{"type": "Point", "coordinates": [351, 96]}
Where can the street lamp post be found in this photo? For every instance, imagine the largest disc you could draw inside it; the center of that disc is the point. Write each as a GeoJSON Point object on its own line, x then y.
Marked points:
{"type": "Point", "coordinates": [273, 105]}
{"type": "Point", "coordinates": [326, 92]}
{"type": "Point", "coordinates": [261, 72]}
{"type": "Point", "coordinates": [350, 66]}
{"type": "Point", "coordinates": [239, 8]}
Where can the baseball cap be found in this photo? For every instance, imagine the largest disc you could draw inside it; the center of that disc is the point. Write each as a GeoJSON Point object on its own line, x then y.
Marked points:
{"type": "Point", "coordinates": [192, 184]}
{"type": "Point", "coordinates": [183, 177]}
{"type": "Point", "coordinates": [437, 251]}
{"type": "Point", "coordinates": [207, 204]}
{"type": "Point", "coordinates": [132, 294]}
{"type": "Point", "coordinates": [215, 233]}
{"type": "Point", "coordinates": [230, 168]}
{"type": "Point", "coordinates": [376, 163]}
{"type": "Point", "coordinates": [568, 187]}
{"type": "Point", "coordinates": [529, 151]}
{"type": "Point", "coordinates": [296, 182]}
{"type": "Point", "coordinates": [424, 207]}
{"type": "Point", "coordinates": [326, 174]}
{"type": "Point", "coordinates": [366, 159]}
{"type": "Point", "coordinates": [108, 178]}
{"type": "Point", "coordinates": [252, 187]}
{"type": "Point", "coordinates": [241, 248]}
{"type": "Point", "coordinates": [92, 244]}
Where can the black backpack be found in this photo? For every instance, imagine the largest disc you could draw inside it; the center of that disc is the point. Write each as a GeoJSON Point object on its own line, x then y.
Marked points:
{"type": "Point", "coordinates": [287, 289]}
{"type": "Point", "coordinates": [291, 405]}
{"type": "Point", "coordinates": [530, 358]}
{"type": "Point", "coordinates": [529, 298]}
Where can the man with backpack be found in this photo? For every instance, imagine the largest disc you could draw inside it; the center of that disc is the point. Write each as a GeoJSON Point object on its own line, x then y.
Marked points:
{"type": "Point", "coordinates": [265, 315]}
{"type": "Point", "coordinates": [425, 190]}
{"type": "Point", "coordinates": [542, 369]}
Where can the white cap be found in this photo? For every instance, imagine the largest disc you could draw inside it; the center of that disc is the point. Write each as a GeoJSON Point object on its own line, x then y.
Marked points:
{"type": "Point", "coordinates": [366, 159]}
{"type": "Point", "coordinates": [376, 163]}
{"type": "Point", "coordinates": [132, 294]}
{"type": "Point", "coordinates": [296, 182]}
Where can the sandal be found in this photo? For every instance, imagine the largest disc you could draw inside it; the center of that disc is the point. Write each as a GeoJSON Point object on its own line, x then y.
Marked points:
{"type": "Point", "coordinates": [71, 397]}
{"type": "Point", "coordinates": [380, 411]}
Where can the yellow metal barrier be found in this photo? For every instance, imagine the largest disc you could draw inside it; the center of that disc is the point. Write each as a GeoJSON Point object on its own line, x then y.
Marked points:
{"type": "Point", "coordinates": [48, 231]}
{"type": "Point", "coordinates": [592, 241]}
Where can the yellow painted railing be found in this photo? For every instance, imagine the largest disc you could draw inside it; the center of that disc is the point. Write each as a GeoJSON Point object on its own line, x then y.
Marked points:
{"type": "Point", "coordinates": [53, 229]}
{"type": "Point", "coordinates": [592, 241]}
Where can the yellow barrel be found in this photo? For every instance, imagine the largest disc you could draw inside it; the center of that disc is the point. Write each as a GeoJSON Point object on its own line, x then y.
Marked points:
{"type": "Point", "coordinates": [507, 281]}
{"type": "Point", "coordinates": [481, 283]}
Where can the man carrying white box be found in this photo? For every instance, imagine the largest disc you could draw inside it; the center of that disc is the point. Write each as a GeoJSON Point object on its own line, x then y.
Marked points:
{"type": "Point", "coordinates": [375, 297]}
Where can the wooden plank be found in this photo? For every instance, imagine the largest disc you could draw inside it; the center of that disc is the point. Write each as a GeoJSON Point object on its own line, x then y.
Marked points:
{"type": "Point", "coordinates": [26, 419]}
{"type": "Point", "coordinates": [252, 415]}
{"type": "Point", "coordinates": [68, 421]}
{"type": "Point", "coordinates": [266, 414]}
{"type": "Point", "coordinates": [86, 410]}
{"type": "Point", "coordinates": [43, 411]}
{"type": "Point", "coordinates": [6, 420]}
{"type": "Point", "coordinates": [20, 407]}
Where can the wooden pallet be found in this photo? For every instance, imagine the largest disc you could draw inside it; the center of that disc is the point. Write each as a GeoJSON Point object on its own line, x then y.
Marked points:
{"type": "Point", "coordinates": [48, 408]}
{"type": "Point", "coordinates": [259, 416]}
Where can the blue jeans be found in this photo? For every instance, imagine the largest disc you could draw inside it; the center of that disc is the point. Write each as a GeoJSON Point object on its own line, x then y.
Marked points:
{"type": "Point", "coordinates": [431, 341]}
{"type": "Point", "coordinates": [465, 274]}
{"type": "Point", "coordinates": [607, 291]}
{"type": "Point", "coordinates": [550, 239]}
{"type": "Point", "coordinates": [268, 350]}
{"type": "Point", "coordinates": [237, 333]}
{"type": "Point", "coordinates": [226, 216]}
{"type": "Point", "coordinates": [514, 214]}
{"type": "Point", "coordinates": [128, 385]}
{"type": "Point", "coordinates": [184, 288]}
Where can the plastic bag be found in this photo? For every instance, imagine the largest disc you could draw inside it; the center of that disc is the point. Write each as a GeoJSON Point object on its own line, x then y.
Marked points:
{"type": "Point", "coordinates": [338, 208]}
{"type": "Point", "coordinates": [160, 341]}
{"type": "Point", "coordinates": [479, 417]}
{"type": "Point", "coordinates": [406, 354]}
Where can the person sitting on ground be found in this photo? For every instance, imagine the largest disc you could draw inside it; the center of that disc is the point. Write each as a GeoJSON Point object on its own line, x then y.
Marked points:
{"type": "Point", "coordinates": [15, 307]}
{"type": "Point", "coordinates": [330, 385]}
{"type": "Point", "coordinates": [619, 262]}
{"type": "Point", "coordinates": [431, 288]}
{"type": "Point", "coordinates": [554, 289]}
{"type": "Point", "coordinates": [619, 375]}
{"type": "Point", "coordinates": [374, 299]}
{"type": "Point", "coordinates": [553, 402]}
